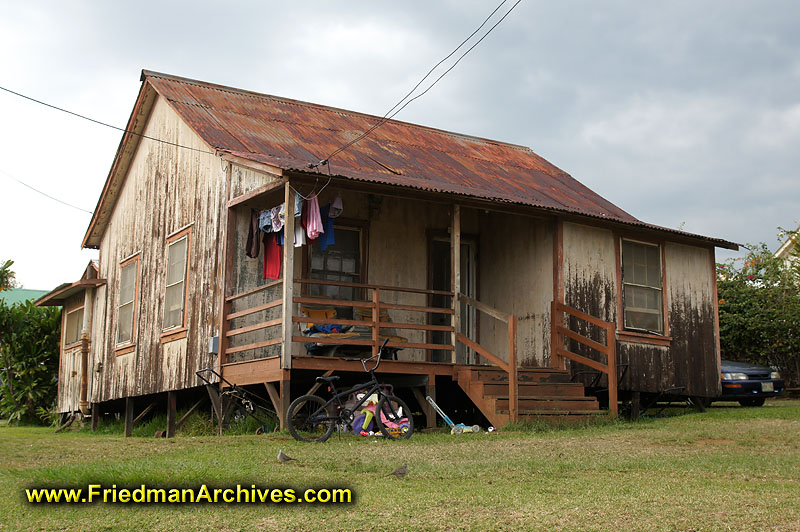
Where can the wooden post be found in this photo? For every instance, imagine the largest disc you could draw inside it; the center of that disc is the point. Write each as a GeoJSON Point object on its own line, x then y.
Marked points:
{"type": "Point", "coordinates": [286, 397]}
{"type": "Point", "coordinates": [86, 339]}
{"type": "Point", "coordinates": [613, 374]}
{"type": "Point", "coordinates": [229, 245]}
{"type": "Point", "coordinates": [430, 389]}
{"type": "Point", "coordinates": [128, 416]}
{"type": "Point", "coordinates": [95, 416]}
{"type": "Point", "coordinates": [288, 278]}
{"type": "Point", "coordinates": [455, 276]}
{"type": "Point", "coordinates": [171, 413]}
{"type": "Point", "coordinates": [636, 405]}
{"type": "Point", "coordinates": [556, 339]}
{"type": "Point", "coordinates": [376, 320]}
{"type": "Point", "coordinates": [513, 381]}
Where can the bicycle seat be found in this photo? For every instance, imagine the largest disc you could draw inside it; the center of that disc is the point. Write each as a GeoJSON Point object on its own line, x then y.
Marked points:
{"type": "Point", "coordinates": [328, 379]}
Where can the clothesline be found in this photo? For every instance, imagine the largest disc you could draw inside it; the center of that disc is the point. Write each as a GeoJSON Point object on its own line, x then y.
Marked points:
{"type": "Point", "coordinates": [312, 194]}
{"type": "Point", "coordinates": [313, 225]}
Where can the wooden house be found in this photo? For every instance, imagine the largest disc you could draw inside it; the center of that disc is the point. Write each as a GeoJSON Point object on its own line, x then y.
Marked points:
{"type": "Point", "coordinates": [500, 279]}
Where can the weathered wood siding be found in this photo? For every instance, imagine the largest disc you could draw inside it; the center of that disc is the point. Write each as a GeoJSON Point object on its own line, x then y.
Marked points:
{"type": "Point", "coordinates": [690, 359]}
{"type": "Point", "coordinates": [167, 188]}
{"type": "Point", "coordinates": [516, 277]}
{"type": "Point", "coordinates": [69, 366]}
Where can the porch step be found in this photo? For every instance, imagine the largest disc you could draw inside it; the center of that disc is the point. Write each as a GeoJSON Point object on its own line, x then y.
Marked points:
{"type": "Point", "coordinates": [527, 412]}
{"type": "Point", "coordinates": [543, 393]}
{"type": "Point", "coordinates": [565, 389]}
{"type": "Point", "coordinates": [550, 403]}
{"type": "Point", "coordinates": [524, 376]}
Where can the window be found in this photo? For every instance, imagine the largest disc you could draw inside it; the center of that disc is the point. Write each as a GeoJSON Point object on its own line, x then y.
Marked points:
{"type": "Point", "coordinates": [175, 297]}
{"type": "Point", "coordinates": [126, 317]}
{"type": "Point", "coordinates": [74, 326]}
{"type": "Point", "coordinates": [642, 287]}
{"type": "Point", "coordinates": [339, 262]}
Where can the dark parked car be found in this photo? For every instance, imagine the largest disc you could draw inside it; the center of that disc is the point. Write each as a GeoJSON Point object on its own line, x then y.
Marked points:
{"type": "Point", "coordinates": [748, 383]}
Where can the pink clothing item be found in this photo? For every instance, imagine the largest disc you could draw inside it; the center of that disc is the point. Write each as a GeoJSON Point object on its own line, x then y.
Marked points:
{"type": "Point", "coordinates": [314, 223]}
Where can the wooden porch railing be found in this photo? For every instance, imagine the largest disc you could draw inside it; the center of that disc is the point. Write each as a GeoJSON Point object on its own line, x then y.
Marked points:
{"type": "Point", "coordinates": [509, 367]}
{"type": "Point", "coordinates": [558, 352]}
{"type": "Point", "coordinates": [231, 332]}
{"type": "Point", "coordinates": [376, 305]}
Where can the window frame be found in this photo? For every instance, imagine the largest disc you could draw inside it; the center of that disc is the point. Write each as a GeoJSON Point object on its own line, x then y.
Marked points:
{"type": "Point", "coordinates": [122, 348]}
{"type": "Point", "coordinates": [631, 334]}
{"type": "Point", "coordinates": [67, 311]}
{"type": "Point", "coordinates": [175, 332]}
{"type": "Point", "coordinates": [362, 226]}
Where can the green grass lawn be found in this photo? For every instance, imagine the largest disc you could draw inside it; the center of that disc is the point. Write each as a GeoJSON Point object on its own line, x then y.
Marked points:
{"type": "Point", "coordinates": [731, 468]}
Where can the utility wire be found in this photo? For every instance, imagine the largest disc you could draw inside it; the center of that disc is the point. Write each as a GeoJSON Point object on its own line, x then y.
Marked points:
{"type": "Point", "coordinates": [390, 114]}
{"type": "Point", "coordinates": [43, 193]}
{"type": "Point", "coordinates": [104, 123]}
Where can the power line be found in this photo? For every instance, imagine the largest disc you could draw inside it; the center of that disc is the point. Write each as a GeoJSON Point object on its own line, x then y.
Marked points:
{"type": "Point", "coordinates": [44, 193]}
{"type": "Point", "coordinates": [389, 114]}
{"type": "Point", "coordinates": [104, 123]}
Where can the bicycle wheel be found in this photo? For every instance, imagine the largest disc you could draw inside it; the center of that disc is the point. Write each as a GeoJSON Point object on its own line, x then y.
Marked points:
{"type": "Point", "coordinates": [309, 419]}
{"type": "Point", "coordinates": [399, 423]}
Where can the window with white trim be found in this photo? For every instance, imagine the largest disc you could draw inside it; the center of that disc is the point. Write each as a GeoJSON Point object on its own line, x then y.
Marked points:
{"type": "Point", "coordinates": [642, 287]}
{"type": "Point", "coordinates": [175, 296]}
{"type": "Point", "coordinates": [126, 315]}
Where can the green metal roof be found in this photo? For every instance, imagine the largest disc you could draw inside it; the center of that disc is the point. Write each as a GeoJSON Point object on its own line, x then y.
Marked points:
{"type": "Point", "coordinates": [20, 295]}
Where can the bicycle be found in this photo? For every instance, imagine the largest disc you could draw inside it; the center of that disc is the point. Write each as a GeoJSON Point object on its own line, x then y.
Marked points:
{"type": "Point", "coordinates": [312, 419]}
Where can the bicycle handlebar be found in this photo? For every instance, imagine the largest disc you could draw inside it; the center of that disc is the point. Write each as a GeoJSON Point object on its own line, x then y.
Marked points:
{"type": "Point", "coordinates": [376, 355]}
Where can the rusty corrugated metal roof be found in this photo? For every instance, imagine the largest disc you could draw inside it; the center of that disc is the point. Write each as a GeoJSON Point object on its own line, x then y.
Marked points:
{"type": "Point", "coordinates": [290, 134]}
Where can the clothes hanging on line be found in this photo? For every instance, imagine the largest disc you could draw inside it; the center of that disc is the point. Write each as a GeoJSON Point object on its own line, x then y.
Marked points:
{"type": "Point", "coordinates": [298, 204]}
{"type": "Point", "coordinates": [327, 237]}
{"type": "Point", "coordinates": [272, 257]}
{"type": "Point", "coordinates": [336, 207]}
{"type": "Point", "coordinates": [253, 246]}
{"type": "Point", "coordinates": [299, 234]}
{"type": "Point", "coordinates": [313, 221]}
{"type": "Point", "coordinates": [265, 221]}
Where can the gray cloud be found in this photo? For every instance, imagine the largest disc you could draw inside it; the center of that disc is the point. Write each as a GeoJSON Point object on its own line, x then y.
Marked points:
{"type": "Point", "coordinates": [677, 112]}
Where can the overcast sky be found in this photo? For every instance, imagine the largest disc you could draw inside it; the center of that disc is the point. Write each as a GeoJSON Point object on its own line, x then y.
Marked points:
{"type": "Point", "coordinates": [685, 114]}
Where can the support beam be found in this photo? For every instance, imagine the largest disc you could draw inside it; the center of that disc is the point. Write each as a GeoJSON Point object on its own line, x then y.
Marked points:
{"type": "Point", "coordinates": [288, 279]}
{"type": "Point", "coordinates": [455, 276]}
{"type": "Point", "coordinates": [274, 396]}
{"type": "Point", "coordinates": [143, 413]}
{"type": "Point", "coordinates": [172, 412]}
{"type": "Point", "coordinates": [213, 395]}
{"type": "Point", "coordinates": [191, 411]}
{"type": "Point", "coordinates": [228, 239]}
{"type": "Point", "coordinates": [284, 402]}
{"type": "Point", "coordinates": [128, 416]}
{"type": "Point", "coordinates": [95, 416]}
{"type": "Point", "coordinates": [86, 340]}
{"type": "Point", "coordinates": [427, 409]}
{"type": "Point", "coordinates": [636, 405]}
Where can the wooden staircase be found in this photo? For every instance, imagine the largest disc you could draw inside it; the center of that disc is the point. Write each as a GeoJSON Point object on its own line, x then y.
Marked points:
{"type": "Point", "coordinates": [544, 393]}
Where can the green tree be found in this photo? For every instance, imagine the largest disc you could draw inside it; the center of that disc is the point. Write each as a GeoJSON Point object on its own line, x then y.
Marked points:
{"type": "Point", "coordinates": [6, 275]}
{"type": "Point", "coordinates": [759, 311]}
{"type": "Point", "coordinates": [29, 350]}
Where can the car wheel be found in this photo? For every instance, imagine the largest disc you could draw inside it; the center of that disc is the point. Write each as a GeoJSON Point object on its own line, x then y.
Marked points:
{"type": "Point", "coordinates": [756, 401]}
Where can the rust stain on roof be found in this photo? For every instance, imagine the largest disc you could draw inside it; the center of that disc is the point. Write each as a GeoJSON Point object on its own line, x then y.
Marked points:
{"type": "Point", "coordinates": [291, 134]}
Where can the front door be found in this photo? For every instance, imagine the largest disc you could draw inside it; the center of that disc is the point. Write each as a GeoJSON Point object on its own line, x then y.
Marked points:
{"type": "Point", "coordinates": [440, 276]}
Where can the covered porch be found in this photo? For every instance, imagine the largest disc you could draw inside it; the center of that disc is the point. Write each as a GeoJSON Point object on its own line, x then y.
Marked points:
{"type": "Point", "coordinates": [447, 283]}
